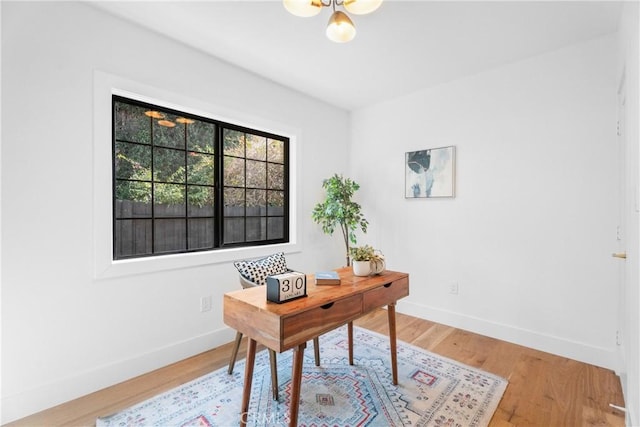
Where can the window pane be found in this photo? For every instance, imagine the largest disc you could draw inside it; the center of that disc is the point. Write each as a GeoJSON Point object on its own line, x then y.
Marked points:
{"type": "Point", "coordinates": [132, 238]}
{"type": "Point", "coordinates": [256, 203]}
{"type": "Point", "coordinates": [200, 168]}
{"type": "Point", "coordinates": [275, 176]}
{"type": "Point", "coordinates": [276, 203]}
{"type": "Point", "coordinates": [167, 132]}
{"type": "Point", "coordinates": [233, 172]}
{"type": "Point", "coordinates": [233, 143]}
{"type": "Point", "coordinates": [201, 136]}
{"type": "Point", "coordinates": [131, 124]}
{"type": "Point", "coordinates": [256, 147]}
{"type": "Point", "coordinates": [234, 202]}
{"type": "Point", "coordinates": [275, 151]}
{"type": "Point", "coordinates": [256, 229]}
{"type": "Point", "coordinates": [168, 165]}
{"type": "Point", "coordinates": [133, 199]}
{"type": "Point", "coordinates": [201, 201]}
{"type": "Point", "coordinates": [275, 228]}
{"type": "Point", "coordinates": [169, 200]}
{"type": "Point", "coordinates": [256, 174]}
{"type": "Point", "coordinates": [169, 235]}
{"type": "Point", "coordinates": [133, 161]}
{"type": "Point", "coordinates": [128, 209]}
{"type": "Point", "coordinates": [200, 233]}
{"type": "Point", "coordinates": [233, 230]}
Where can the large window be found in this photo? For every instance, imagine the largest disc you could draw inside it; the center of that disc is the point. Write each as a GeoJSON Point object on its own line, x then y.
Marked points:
{"type": "Point", "coordinates": [184, 183]}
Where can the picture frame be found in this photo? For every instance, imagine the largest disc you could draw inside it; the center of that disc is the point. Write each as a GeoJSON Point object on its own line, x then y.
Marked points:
{"type": "Point", "coordinates": [430, 173]}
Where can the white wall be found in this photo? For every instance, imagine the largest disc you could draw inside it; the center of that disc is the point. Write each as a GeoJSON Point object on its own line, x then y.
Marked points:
{"type": "Point", "coordinates": [65, 334]}
{"type": "Point", "coordinates": [529, 235]}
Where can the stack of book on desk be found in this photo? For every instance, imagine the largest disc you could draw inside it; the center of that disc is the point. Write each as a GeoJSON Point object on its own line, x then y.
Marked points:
{"type": "Point", "coordinates": [327, 278]}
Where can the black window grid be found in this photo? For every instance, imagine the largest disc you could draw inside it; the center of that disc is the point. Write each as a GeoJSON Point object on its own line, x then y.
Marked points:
{"type": "Point", "coordinates": [218, 217]}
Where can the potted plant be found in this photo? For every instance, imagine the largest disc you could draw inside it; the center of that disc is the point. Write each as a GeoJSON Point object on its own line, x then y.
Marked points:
{"type": "Point", "coordinates": [339, 210]}
{"type": "Point", "coordinates": [367, 260]}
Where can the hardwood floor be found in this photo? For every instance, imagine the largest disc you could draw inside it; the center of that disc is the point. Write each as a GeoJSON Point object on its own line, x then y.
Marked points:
{"type": "Point", "coordinates": [544, 390]}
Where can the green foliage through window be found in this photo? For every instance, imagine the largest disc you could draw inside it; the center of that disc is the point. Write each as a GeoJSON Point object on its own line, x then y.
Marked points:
{"type": "Point", "coordinates": [186, 183]}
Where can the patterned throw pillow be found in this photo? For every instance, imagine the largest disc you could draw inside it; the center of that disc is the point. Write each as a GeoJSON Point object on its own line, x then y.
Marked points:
{"type": "Point", "coordinates": [257, 270]}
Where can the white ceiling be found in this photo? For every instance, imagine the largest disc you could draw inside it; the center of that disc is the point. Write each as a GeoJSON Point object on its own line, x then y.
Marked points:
{"type": "Point", "coordinates": [402, 47]}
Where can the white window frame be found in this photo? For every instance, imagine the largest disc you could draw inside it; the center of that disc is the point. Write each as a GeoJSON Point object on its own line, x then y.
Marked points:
{"type": "Point", "coordinates": [106, 85]}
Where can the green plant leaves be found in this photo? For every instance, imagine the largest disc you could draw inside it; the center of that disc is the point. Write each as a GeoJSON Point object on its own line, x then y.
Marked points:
{"type": "Point", "coordinates": [339, 210]}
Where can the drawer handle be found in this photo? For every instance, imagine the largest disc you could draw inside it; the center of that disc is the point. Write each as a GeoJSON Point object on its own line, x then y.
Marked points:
{"type": "Point", "coordinates": [388, 285]}
{"type": "Point", "coordinates": [326, 306]}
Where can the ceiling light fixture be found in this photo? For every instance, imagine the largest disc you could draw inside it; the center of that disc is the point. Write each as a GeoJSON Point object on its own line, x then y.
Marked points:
{"type": "Point", "coordinates": [340, 28]}
{"type": "Point", "coordinates": [154, 114]}
{"type": "Point", "coordinates": [166, 123]}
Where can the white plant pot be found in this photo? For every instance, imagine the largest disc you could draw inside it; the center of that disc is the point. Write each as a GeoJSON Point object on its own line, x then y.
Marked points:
{"type": "Point", "coordinates": [361, 268]}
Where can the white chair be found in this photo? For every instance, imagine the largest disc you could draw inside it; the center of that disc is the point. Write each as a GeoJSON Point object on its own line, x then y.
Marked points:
{"type": "Point", "coordinates": [245, 283]}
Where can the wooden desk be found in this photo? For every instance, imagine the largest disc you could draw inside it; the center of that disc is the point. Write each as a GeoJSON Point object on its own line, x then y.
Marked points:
{"type": "Point", "coordinates": [290, 325]}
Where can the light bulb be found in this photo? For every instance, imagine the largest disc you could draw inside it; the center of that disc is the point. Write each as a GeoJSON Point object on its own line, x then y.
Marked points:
{"type": "Point", "coordinates": [340, 28]}
{"type": "Point", "coordinates": [154, 114]}
{"type": "Point", "coordinates": [303, 8]}
{"type": "Point", "coordinates": [166, 123]}
{"type": "Point", "coordinates": [361, 7]}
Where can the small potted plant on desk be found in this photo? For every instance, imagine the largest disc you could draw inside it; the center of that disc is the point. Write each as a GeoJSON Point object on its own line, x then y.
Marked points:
{"type": "Point", "coordinates": [366, 260]}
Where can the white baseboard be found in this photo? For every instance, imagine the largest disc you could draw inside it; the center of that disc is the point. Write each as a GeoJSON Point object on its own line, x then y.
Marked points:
{"type": "Point", "coordinates": [37, 399]}
{"type": "Point", "coordinates": [603, 357]}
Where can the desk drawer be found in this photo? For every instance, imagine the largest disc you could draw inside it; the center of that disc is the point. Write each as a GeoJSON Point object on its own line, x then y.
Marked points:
{"type": "Point", "coordinates": [305, 326]}
{"type": "Point", "coordinates": [385, 295]}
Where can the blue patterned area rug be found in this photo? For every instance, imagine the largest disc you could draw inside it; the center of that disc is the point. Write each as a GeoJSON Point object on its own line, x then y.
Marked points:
{"type": "Point", "coordinates": [432, 391]}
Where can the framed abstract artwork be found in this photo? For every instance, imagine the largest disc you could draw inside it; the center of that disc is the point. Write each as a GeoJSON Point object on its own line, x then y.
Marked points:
{"type": "Point", "coordinates": [430, 173]}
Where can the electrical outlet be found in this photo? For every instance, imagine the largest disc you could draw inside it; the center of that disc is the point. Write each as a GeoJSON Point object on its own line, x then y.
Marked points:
{"type": "Point", "coordinates": [453, 288]}
{"type": "Point", "coordinates": [205, 304]}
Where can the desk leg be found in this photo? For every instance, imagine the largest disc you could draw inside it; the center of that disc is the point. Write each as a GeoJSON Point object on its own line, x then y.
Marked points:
{"type": "Point", "coordinates": [350, 336]}
{"type": "Point", "coordinates": [316, 350]}
{"type": "Point", "coordinates": [296, 381]}
{"type": "Point", "coordinates": [274, 374]}
{"type": "Point", "coordinates": [248, 377]}
{"type": "Point", "coordinates": [391, 312]}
